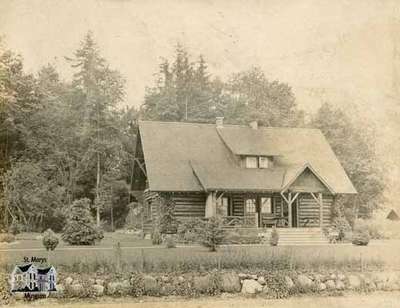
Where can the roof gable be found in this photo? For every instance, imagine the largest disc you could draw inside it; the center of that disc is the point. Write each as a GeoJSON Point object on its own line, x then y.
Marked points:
{"type": "Point", "coordinates": [198, 157]}
{"type": "Point", "coordinates": [307, 180]}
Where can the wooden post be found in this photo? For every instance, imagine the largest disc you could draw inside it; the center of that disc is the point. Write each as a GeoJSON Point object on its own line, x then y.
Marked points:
{"type": "Point", "coordinates": [290, 210]}
{"type": "Point", "coordinates": [211, 207]}
{"type": "Point", "coordinates": [321, 210]}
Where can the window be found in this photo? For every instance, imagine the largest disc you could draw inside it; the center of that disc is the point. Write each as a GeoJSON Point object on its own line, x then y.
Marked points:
{"type": "Point", "coordinates": [264, 162]}
{"type": "Point", "coordinates": [251, 162]}
{"type": "Point", "coordinates": [266, 205]}
{"type": "Point", "coordinates": [250, 205]}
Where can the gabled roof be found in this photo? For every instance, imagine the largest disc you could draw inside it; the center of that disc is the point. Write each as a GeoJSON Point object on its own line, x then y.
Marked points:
{"type": "Point", "coordinates": [295, 171]}
{"type": "Point", "coordinates": [43, 271]}
{"type": "Point", "coordinates": [392, 215]}
{"type": "Point", "coordinates": [24, 268]}
{"type": "Point", "coordinates": [198, 157]}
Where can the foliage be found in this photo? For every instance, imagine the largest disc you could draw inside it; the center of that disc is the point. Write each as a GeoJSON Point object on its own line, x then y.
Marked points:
{"type": "Point", "coordinates": [212, 234]}
{"type": "Point", "coordinates": [376, 230]}
{"type": "Point", "coordinates": [188, 230]}
{"type": "Point", "coordinates": [232, 237]}
{"type": "Point", "coordinates": [4, 289]}
{"type": "Point", "coordinates": [156, 237]}
{"type": "Point", "coordinates": [168, 222]}
{"type": "Point", "coordinates": [170, 242]}
{"type": "Point", "coordinates": [274, 237]}
{"type": "Point", "coordinates": [354, 145]}
{"type": "Point", "coordinates": [185, 91]}
{"type": "Point", "coordinates": [254, 97]}
{"type": "Point", "coordinates": [361, 236]}
{"type": "Point", "coordinates": [6, 238]}
{"type": "Point", "coordinates": [341, 225]}
{"type": "Point", "coordinates": [50, 240]}
{"type": "Point", "coordinates": [67, 138]}
{"type": "Point", "coordinates": [133, 219]}
{"type": "Point", "coordinates": [32, 199]}
{"type": "Point", "coordinates": [80, 228]}
{"type": "Point", "coordinates": [277, 287]}
{"type": "Point", "coordinates": [16, 227]}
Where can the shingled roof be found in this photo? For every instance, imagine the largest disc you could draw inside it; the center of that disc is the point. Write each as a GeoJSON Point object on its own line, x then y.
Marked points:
{"type": "Point", "coordinates": [201, 157]}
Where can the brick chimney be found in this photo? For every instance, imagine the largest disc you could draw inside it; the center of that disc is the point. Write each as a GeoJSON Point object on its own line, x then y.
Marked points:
{"type": "Point", "coordinates": [254, 124]}
{"type": "Point", "coordinates": [219, 121]}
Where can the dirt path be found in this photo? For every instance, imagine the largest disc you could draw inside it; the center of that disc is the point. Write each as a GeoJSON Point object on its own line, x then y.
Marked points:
{"type": "Point", "coordinates": [375, 300]}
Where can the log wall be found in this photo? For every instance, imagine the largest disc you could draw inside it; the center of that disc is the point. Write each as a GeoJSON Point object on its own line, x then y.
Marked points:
{"type": "Point", "coordinates": [308, 208]}
{"type": "Point", "coordinates": [190, 205]}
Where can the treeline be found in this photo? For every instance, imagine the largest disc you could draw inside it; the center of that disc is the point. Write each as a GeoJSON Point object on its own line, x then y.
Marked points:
{"type": "Point", "coordinates": [61, 141]}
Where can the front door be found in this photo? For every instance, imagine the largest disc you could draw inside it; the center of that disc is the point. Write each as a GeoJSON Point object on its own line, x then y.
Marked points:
{"type": "Point", "coordinates": [294, 214]}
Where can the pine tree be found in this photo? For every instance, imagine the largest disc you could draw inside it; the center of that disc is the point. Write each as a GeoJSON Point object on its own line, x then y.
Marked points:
{"type": "Point", "coordinates": [212, 234]}
{"type": "Point", "coordinates": [80, 228]}
{"type": "Point", "coordinates": [99, 89]}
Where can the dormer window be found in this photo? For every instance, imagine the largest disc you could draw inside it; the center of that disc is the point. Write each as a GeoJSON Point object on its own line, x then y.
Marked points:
{"type": "Point", "coordinates": [261, 162]}
{"type": "Point", "coordinates": [251, 162]}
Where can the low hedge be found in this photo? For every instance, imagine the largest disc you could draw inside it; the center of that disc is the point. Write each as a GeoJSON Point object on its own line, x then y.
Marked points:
{"type": "Point", "coordinates": [7, 238]}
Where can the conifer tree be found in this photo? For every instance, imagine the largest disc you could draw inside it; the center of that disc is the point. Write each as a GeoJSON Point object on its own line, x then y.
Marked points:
{"type": "Point", "coordinates": [80, 228]}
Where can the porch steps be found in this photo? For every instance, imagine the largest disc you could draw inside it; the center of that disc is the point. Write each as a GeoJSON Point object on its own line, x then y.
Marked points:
{"type": "Point", "coordinates": [297, 236]}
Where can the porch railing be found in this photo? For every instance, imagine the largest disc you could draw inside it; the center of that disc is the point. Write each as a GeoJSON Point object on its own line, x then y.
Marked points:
{"type": "Point", "coordinates": [246, 221]}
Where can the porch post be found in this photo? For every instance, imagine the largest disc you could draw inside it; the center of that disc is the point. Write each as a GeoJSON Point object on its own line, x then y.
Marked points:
{"type": "Point", "coordinates": [211, 205]}
{"type": "Point", "coordinates": [321, 210]}
{"type": "Point", "coordinates": [290, 210]}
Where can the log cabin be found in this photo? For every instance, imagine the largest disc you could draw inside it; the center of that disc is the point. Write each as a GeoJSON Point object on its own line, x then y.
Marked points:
{"type": "Point", "coordinates": [251, 176]}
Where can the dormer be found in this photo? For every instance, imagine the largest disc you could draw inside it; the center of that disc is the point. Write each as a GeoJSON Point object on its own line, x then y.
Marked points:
{"type": "Point", "coordinates": [257, 162]}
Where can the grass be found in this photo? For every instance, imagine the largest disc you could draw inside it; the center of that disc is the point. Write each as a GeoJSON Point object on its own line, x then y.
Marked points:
{"type": "Point", "coordinates": [160, 259]}
{"type": "Point", "coordinates": [29, 240]}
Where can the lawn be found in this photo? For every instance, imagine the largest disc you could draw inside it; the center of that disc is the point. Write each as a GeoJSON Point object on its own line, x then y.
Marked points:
{"type": "Point", "coordinates": [30, 240]}
{"type": "Point", "coordinates": [138, 254]}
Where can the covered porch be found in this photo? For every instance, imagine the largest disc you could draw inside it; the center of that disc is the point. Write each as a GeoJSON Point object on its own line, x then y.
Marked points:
{"type": "Point", "coordinates": [266, 210]}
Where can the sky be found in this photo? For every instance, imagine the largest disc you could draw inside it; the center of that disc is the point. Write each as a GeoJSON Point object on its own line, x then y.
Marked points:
{"type": "Point", "coordinates": [339, 51]}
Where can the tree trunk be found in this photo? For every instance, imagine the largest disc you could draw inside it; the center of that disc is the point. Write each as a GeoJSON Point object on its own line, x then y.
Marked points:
{"type": "Point", "coordinates": [112, 210]}
{"type": "Point", "coordinates": [98, 191]}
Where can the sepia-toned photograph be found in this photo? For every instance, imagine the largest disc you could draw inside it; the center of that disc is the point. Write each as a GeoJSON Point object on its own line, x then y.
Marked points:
{"type": "Point", "coordinates": [200, 153]}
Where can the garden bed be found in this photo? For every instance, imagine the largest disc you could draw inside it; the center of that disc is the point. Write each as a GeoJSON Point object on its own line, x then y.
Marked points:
{"type": "Point", "coordinates": [267, 284]}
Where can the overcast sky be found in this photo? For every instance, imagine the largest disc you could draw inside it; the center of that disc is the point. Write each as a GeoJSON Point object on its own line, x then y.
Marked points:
{"type": "Point", "coordinates": [338, 51]}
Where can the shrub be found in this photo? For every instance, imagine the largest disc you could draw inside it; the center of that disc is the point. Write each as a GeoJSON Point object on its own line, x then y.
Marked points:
{"type": "Point", "coordinates": [361, 238]}
{"type": "Point", "coordinates": [4, 290]}
{"type": "Point", "coordinates": [212, 234]}
{"type": "Point", "coordinates": [170, 242]}
{"type": "Point", "coordinates": [156, 238]}
{"type": "Point", "coordinates": [16, 227]}
{"type": "Point", "coordinates": [50, 240]}
{"type": "Point", "coordinates": [168, 222]}
{"type": "Point", "coordinates": [376, 231]}
{"type": "Point", "coordinates": [361, 234]}
{"type": "Point", "coordinates": [234, 237]}
{"type": "Point", "coordinates": [274, 239]}
{"type": "Point", "coordinates": [342, 226]}
{"type": "Point", "coordinates": [188, 230]}
{"type": "Point", "coordinates": [7, 238]}
{"type": "Point", "coordinates": [80, 228]}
